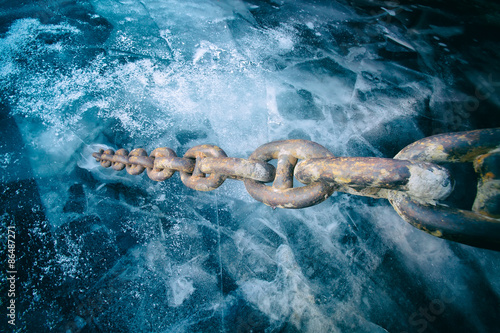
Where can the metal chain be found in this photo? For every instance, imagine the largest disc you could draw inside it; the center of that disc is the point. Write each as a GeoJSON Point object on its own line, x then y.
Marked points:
{"type": "Point", "coordinates": [413, 181]}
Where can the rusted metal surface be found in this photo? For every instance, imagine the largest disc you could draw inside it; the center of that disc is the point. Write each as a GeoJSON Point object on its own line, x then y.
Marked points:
{"type": "Point", "coordinates": [175, 163]}
{"type": "Point", "coordinates": [451, 223]}
{"type": "Point", "coordinates": [120, 159]}
{"type": "Point", "coordinates": [197, 180]}
{"type": "Point", "coordinates": [412, 181]}
{"type": "Point", "coordinates": [299, 197]}
{"type": "Point", "coordinates": [282, 194]}
{"type": "Point", "coordinates": [487, 201]}
{"type": "Point", "coordinates": [138, 161]}
{"type": "Point", "coordinates": [238, 168]}
{"type": "Point", "coordinates": [160, 174]}
{"type": "Point", "coordinates": [457, 225]}
{"type": "Point", "coordinates": [301, 149]}
{"type": "Point", "coordinates": [452, 147]}
{"type": "Point", "coordinates": [105, 157]}
{"type": "Point", "coordinates": [424, 180]}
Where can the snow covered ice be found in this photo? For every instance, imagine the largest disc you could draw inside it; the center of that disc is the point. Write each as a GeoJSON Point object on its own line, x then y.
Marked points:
{"type": "Point", "coordinates": [103, 251]}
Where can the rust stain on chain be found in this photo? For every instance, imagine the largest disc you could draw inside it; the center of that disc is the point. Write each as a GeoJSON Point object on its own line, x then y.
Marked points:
{"type": "Point", "coordinates": [412, 181]}
{"type": "Point", "coordinates": [238, 168]}
{"type": "Point", "coordinates": [487, 201]}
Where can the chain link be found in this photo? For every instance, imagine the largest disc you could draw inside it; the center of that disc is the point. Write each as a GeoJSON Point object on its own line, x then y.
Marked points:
{"type": "Point", "coordinates": [476, 227]}
{"type": "Point", "coordinates": [197, 180]}
{"type": "Point", "coordinates": [413, 181]}
{"type": "Point", "coordinates": [282, 194]}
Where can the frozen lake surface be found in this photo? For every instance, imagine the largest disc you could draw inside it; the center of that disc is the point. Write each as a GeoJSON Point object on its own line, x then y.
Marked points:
{"type": "Point", "coordinates": [103, 251]}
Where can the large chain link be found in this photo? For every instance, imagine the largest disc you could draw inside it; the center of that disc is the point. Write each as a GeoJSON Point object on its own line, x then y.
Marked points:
{"type": "Point", "coordinates": [413, 181]}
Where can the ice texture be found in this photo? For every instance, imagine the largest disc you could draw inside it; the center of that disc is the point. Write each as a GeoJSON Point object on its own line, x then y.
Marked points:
{"type": "Point", "coordinates": [104, 251]}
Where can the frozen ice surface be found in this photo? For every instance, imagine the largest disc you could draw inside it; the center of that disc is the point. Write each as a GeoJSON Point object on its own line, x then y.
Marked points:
{"type": "Point", "coordinates": [103, 251]}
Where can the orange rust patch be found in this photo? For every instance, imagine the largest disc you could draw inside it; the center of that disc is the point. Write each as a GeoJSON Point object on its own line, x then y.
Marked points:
{"type": "Point", "coordinates": [489, 175]}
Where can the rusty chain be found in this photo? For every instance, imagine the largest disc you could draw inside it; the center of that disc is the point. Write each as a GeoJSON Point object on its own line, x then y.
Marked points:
{"type": "Point", "coordinates": [413, 181]}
